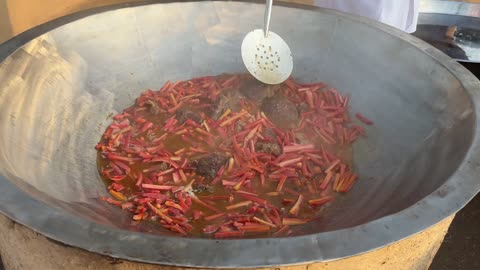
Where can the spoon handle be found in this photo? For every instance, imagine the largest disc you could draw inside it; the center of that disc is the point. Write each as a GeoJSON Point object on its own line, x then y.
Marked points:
{"type": "Point", "coordinates": [268, 14]}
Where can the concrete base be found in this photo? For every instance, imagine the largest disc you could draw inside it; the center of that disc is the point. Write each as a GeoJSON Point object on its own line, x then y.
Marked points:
{"type": "Point", "coordinates": [22, 248]}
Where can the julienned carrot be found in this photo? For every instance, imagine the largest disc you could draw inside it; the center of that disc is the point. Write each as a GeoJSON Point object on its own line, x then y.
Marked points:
{"type": "Point", "coordinates": [296, 207]}
{"type": "Point", "coordinates": [252, 198]}
{"type": "Point", "coordinates": [251, 186]}
{"type": "Point", "coordinates": [254, 228]}
{"type": "Point", "coordinates": [200, 202]}
{"type": "Point", "coordinates": [290, 162]}
{"type": "Point", "coordinates": [212, 217]}
{"type": "Point", "coordinates": [298, 147]}
{"type": "Point", "coordinates": [282, 230]}
{"type": "Point", "coordinates": [326, 180]}
{"type": "Point", "coordinates": [238, 205]}
{"type": "Point", "coordinates": [348, 183]}
{"type": "Point", "coordinates": [281, 183]}
{"type": "Point", "coordinates": [225, 114]}
{"type": "Point", "coordinates": [233, 118]}
{"type": "Point", "coordinates": [363, 119]}
{"type": "Point", "coordinates": [159, 213]}
{"type": "Point", "coordinates": [320, 201]}
{"type": "Point", "coordinates": [157, 187]}
{"type": "Point", "coordinates": [117, 195]}
{"type": "Point", "coordinates": [228, 234]}
{"type": "Point", "coordinates": [333, 165]}
{"type": "Point", "coordinates": [293, 221]}
{"type": "Point", "coordinates": [264, 222]}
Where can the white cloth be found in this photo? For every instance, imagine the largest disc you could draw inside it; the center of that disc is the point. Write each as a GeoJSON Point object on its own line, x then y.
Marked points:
{"type": "Point", "coordinates": [402, 14]}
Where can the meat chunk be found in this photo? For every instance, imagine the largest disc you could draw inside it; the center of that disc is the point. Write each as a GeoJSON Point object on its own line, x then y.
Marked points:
{"type": "Point", "coordinates": [281, 111]}
{"type": "Point", "coordinates": [183, 114]}
{"type": "Point", "coordinates": [230, 99]}
{"type": "Point", "coordinates": [268, 147]}
{"type": "Point", "coordinates": [209, 165]}
{"type": "Point", "coordinates": [255, 90]}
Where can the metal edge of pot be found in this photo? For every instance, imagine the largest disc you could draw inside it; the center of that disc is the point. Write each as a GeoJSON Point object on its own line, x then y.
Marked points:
{"type": "Point", "coordinates": [455, 193]}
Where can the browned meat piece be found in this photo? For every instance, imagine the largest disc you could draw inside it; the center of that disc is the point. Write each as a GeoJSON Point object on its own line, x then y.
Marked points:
{"type": "Point", "coordinates": [302, 107]}
{"type": "Point", "coordinates": [153, 107]}
{"type": "Point", "coordinates": [198, 188]}
{"type": "Point", "coordinates": [183, 114]}
{"type": "Point", "coordinates": [228, 100]}
{"type": "Point", "coordinates": [254, 90]}
{"type": "Point", "coordinates": [281, 111]}
{"type": "Point", "coordinates": [209, 165]}
{"type": "Point", "coordinates": [268, 147]}
{"type": "Point", "coordinates": [269, 133]}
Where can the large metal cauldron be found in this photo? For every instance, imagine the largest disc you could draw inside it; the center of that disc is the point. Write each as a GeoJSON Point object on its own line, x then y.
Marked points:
{"type": "Point", "coordinates": [57, 92]}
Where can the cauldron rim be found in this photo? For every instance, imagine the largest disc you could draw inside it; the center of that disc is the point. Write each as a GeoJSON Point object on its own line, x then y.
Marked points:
{"type": "Point", "coordinates": [455, 193]}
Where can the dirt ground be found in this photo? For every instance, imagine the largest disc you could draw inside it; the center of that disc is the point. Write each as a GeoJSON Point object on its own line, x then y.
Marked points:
{"type": "Point", "coordinates": [461, 248]}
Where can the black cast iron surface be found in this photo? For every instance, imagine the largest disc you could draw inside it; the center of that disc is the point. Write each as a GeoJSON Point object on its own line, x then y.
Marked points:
{"type": "Point", "coordinates": [418, 165]}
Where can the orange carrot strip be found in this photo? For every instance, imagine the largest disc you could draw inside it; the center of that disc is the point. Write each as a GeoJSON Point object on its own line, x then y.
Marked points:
{"type": "Point", "coordinates": [326, 180]}
{"type": "Point", "coordinates": [320, 201]}
{"type": "Point", "coordinates": [238, 205]}
{"type": "Point", "coordinates": [230, 120]}
{"type": "Point", "coordinates": [159, 213]}
{"type": "Point", "coordinates": [333, 165]}
{"type": "Point", "coordinates": [296, 207]}
{"type": "Point", "coordinates": [117, 195]}
{"type": "Point", "coordinates": [293, 221]}
{"type": "Point", "coordinates": [281, 183]}
{"type": "Point", "coordinates": [264, 222]}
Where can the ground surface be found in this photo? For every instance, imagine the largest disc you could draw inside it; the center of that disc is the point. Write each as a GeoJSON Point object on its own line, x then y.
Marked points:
{"type": "Point", "coordinates": [461, 248]}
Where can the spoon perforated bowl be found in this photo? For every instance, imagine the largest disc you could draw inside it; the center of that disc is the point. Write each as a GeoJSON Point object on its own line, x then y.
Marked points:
{"type": "Point", "coordinates": [265, 54]}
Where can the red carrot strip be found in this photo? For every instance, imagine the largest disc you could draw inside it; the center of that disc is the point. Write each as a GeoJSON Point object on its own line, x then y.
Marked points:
{"type": "Point", "coordinates": [293, 221]}
{"type": "Point", "coordinates": [231, 119]}
{"type": "Point", "coordinates": [282, 230]}
{"type": "Point", "coordinates": [157, 187]}
{"type": "Point", "coordinates": [336, 182]}
{"type": "Point", "coordinates": [174, 205]}
{"type": "Point", "coordinates": [182, 175]}
{"type": "Point", "coordinates": [290, 162]}
{"type": "Point", "coordinates": [281, 183]}
{"type": "Point", "coordinates": [333, 165]}
{"type": "Point", "coordinates": [116, 157]}
{"type": "Point", "coordinates": [197, 200]}
{"type": "Point", "coordinates": [172, 110]}
{"type": "Point", "coordinates": [296, 207]}
{"type": "Point", "coordinates": [320, 201]}
{"type": "Point", "coordinates": [264, 222]}
{"type": "Point", "coordinates": [326, 180]}
{"type": "Point", "coordinates": [228, 234]}
{"type": "Point", "coordinates": [159, 213]}
{"type": "Point", "coordinates": [210, 229]}
{"type": "Point", "coordinates": [298, 147]}
{"type": "Point", "coordinates": [262, 179]}
{"type": "Point", "coordinates": [349, 183]}
{"type": "Point", "coordinates": [111, 201]}
{"type": "Point", "coordinates": [252, 198]}
{"type": "Point", "coordinates": [364, 119]}
{"type": "Point", "coordinates": [238, 205]}
{"type": "Point", "coordinates": [176, 177]}
{"type": "Point", "coordinates": [254, 228]}
{"type": "Point", "coordinates": [212, 217]}
{"type": "Point", "coordinates": [155, 195]}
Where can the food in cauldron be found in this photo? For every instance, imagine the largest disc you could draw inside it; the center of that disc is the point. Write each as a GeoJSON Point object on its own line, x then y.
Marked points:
{"type": "Point", "coordinates": [227, 156]}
